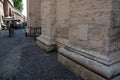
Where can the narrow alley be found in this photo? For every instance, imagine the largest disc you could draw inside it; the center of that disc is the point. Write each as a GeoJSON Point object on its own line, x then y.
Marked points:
{"type": "Point", "coordinates": [22, 59]}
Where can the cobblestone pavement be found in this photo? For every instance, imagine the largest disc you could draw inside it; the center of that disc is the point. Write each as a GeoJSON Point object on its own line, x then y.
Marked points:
{"type": "Point", "coordinates": [21, 59]}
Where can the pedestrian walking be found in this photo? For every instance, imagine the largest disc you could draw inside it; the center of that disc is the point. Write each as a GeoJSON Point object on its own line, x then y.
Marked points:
{"type": "Point", "coordinates": [11, 29]}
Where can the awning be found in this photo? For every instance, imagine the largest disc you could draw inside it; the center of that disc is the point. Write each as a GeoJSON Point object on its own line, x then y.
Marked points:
{"type": "Point", "coordinates": [11, 19]}
{"type": "Point", "coordinates": [8, 18]}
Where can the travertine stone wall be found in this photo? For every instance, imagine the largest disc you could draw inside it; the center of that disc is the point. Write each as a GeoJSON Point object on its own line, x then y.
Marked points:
{"type": "Point", "coordinates": [114, 33]}
{"type": "Point", "coordinates": [48, 23]}
{"type": "Point", "coordinates": [90, 20]}
{"type": "Point", "coordinates": [34, 11]}
{"type": "Point", "coordinates": [48, 17]}
{"type": "Point", "coordinates": [63, 22]}
{"type": "Point", "coordinates": [93, 39]}
{"type": "Point", "coordinates": [63, 18]}
{"type": "Point", "coordinates": [86, 33]}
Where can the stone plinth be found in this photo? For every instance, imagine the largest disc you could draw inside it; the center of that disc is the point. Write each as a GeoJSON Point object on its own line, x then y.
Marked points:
{"type": "Point", "coordinates": [46, 43]}
{"type": "Point", "coordinates": [92, 51]}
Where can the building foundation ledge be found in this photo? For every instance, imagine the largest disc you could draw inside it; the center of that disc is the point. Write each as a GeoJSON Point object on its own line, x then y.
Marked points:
{"type": "Point", "coordinates": [61, 42]}
{"type": "Point", "coordinates": [45, 43]}
{"type": "Point", "coordinates": [87, 68]}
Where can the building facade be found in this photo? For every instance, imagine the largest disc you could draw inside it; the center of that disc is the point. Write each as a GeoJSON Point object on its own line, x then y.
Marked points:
{"type": "Point", "coordinates": [10, 10]}
{"type": "Point", "coordinates": [18, 15]}
{"type": "Point", "coordinates": [1, 13]}
{"type": "Point", "coordinates": [85, 33]}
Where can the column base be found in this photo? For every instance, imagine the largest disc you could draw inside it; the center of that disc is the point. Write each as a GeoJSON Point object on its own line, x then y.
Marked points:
{"type": "Point", "coordinates": [61, 42]}
{"type": "Point", "coordinates": [87, 68]}
{"type": "Point", "coordinates": [45, 43]}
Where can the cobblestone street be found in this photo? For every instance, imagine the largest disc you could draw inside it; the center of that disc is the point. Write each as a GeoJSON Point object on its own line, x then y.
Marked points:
{"type": "Point", "coordinates": [22, 59]}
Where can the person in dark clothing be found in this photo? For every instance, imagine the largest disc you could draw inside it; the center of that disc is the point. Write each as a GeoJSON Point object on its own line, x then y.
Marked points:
{"type": "Point", "coordinates": [11, 29]}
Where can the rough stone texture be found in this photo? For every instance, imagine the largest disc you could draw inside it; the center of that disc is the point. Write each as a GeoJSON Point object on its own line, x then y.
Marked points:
{"type": "Point", "coordinates": [61, 42]}
{"type": "Point", "coordinates": [79, 69]}
{"type": "Point", "coordinates": [105, 71]}
{"type": "Point", "coordinates": [90, 21]}
{"type": "Point", "coordinates": [63, 22]}
{"type": "Point", "coordinates": [92, 31]}
{"type": "Point", "coordinates": [34, 15]}
{"type": "Point", "coordinates": [34, 19]}
{"type": "Point", "coordinates": [48, 23]}
{"type": "Point", "coordinates": [88, 28]}
{"type": "Point", "coordinates": [114, 36]}
{"type": "Point", "coordinates": [48, 17]}
{"type": "Point", "coordinates": [48, 46]}
{"type": "Point", "coordinates": [63, 18]}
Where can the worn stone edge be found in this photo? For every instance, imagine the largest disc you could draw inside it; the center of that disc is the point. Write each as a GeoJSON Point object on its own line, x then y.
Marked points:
{"type": "Point", "coordinates": [104, 70]}
{"type": "Point", "coordinates": [47, 45]}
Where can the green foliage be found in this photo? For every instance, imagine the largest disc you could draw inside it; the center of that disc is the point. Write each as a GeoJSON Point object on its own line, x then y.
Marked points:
{"type": "Point", "coordinates": [18, 4]}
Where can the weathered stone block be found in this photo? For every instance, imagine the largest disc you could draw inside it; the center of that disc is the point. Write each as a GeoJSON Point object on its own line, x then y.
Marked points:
{"type": "Point", "coordinates": [93, 69]}
{"type": "Point", "coordinates": [79, 70]}
{"type": "Point", "coordinates": [46, 43]}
